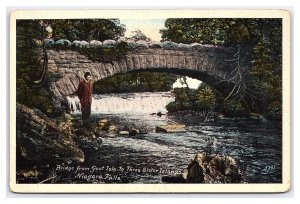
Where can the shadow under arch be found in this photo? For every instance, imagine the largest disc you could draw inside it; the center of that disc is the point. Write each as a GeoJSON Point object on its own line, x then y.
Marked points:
{"type": "Point", "coordinates": [223, 87]}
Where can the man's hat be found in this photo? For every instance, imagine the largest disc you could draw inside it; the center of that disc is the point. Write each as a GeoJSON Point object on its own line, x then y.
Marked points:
{"type": "Point", "coordinates": [87, 74]}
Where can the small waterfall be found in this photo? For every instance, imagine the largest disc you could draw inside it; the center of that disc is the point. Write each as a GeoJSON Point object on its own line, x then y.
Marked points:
{"type": "Point", "coordinates": [74, 104]}
{"type": "Point", "coordinates": [135, 103]}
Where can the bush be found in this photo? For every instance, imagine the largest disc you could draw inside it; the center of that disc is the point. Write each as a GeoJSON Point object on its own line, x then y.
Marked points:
{"type": "Point", "coordinates": [175, 106]}
{"type": "Point", "coordinates": [206, 100]}
{"type": "Point", "coordinates": [235, 110]}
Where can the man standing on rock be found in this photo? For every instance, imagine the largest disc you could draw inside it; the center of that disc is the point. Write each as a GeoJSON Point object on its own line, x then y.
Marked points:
{"type": "Point", "coordinates": [84, 93]}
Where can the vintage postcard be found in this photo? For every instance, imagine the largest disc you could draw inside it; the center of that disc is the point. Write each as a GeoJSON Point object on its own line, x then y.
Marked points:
{"type": "Point", "coordinates": [149, 101]}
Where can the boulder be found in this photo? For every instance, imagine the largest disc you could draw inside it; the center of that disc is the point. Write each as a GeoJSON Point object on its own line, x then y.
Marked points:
{"type": "Point", "coordinates": [103, 120]}
{"type": "Point", "coordinates": [213, 169]}
{"type": "Point", "coordinates": [171, 128]}
{"type": "Point", "coordinates": [44, 140]}
{"type": "Point", "coordinates": [195, 173]}
{"type": "Point", "coordinates": [68, 117]}
{"type": "Point", "coordinates": [63, 42]}
{"type": "Point", "coordinates": [182, 46]}
{"type": "Point", "coordinates": [131, 129]}
{"type": "Point", "coordinates": [123, 132]}
{"type": "Point", "coordinates": [109, 43]}
{"type": "Point", "coordinates": [112, 129]}
{"type": "Point", "coordinates": [101, 125]}
{"type": "Point", "coordinates": [95, 43]}
{"type": "Point", "coordinates": [111, 134]}
{"type": "Point", "coordinates": [142, 44]}
{"type": "Point", "coordinates": [154, 45]}
{"type": "Point", "coordinates": [81, 44]}
{"type": "Point", "coordinates": [104, 124]}
{"type": "Point", "coordinates": [90, 143]}
{"type": "Point", "coordinates": [49, 42]}
{"type": "Point", "coordinates": [134, 131]}
{"type": "Point", "coordinates": [169, 45]}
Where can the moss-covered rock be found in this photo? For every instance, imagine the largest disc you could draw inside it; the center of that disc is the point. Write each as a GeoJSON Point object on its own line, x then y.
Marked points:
{"type": "Point", "coordinates": [44, 140]}
{"type": "Point", "coordinates": [213, 169]}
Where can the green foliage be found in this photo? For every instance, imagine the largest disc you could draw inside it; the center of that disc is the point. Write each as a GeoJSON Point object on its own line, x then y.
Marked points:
{"type": "Point", "coordinates": [237, 108]}
{"type": "Point", "coordinates": [275, 107]}
{"type": "Point", "coordinates": [220, 31]}
{"type": "Point", "coordinates": [135, 82]}
{"type": "Point", "coordinates": [30, 34]}
{"type": "Point", "coordinates": [100, 54]}
{"type": "Point", "coordinates": [203, 99]}
{"type": "Point", "coordinates": [181, 96]}
{"type": "Point", "coordinates": [206, 31]}
{"type": "Point", "coordinates": [95, 53]}
{"type": "Point", "coordinates": [259, 60]}
{"type": "Point", "coordinates": [138, 35]}
{"type": "Point", "coordinates": [86, 29]}
{"type": "Point", "coordinates": [106, 54]}
{"type": "Point", "coordinates": [206, 98]}
{"type": "Point", "coordinates": [30, 37]}
{"type": "Point", "coordinates": [185, 99]}
{"type": "Point", "coordinates": [266, 76]}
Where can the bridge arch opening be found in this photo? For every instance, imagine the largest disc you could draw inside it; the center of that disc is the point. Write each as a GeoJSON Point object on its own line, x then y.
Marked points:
{"type": "Point", "coordinates": [220, 85]}
{"type": "Point", "coordinates": [115, 100]}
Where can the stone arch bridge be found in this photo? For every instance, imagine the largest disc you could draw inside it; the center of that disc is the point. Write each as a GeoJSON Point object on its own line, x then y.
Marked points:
{"type": "Point", "coordinates": [204, 62]}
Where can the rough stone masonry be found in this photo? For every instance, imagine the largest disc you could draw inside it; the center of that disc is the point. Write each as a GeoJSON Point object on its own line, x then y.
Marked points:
{"type": "Point", "coordinates": [66, 67]}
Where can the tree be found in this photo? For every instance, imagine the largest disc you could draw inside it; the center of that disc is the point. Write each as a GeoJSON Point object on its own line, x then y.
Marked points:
{"type": "Point", "coordinates": [86, 29]}
{"type": "Point", "coordinates": [135, 82]}
{"type": "Point", "coordinates": [32, 81]}
{"type": "Point", "coordinates": [190, 30]}
{"type": "Point", "coordinates": [29, 69]}
{"type": "Point", "coordinates": [267, 78]}
{"type": "Point", "coordinates": [206, 100]}
{"type": "Point", "coordinates": [256, 64]}
{"type": "Point", "coordinates": [138, 35]}
{"type": "Point", "coordinates": [219, 31]}
{"type": "Point", "coordinates": [181, 100]}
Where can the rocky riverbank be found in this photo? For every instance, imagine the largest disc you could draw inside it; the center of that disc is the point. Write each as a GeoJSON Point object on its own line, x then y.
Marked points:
{"type": "Point", "coordinates": [209, 168]}
{"type": "Point", "coordinates": [43, 143]}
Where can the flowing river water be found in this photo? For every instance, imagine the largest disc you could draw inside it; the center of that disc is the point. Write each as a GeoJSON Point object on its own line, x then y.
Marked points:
{"type": "Point", "coordinates": [145, 158]}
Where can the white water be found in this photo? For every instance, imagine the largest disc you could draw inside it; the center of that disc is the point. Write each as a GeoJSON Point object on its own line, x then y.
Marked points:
{"type": "Point", "coordinates": [254, 146]}
{"type": "Point", "coordinates": [131, 103]}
